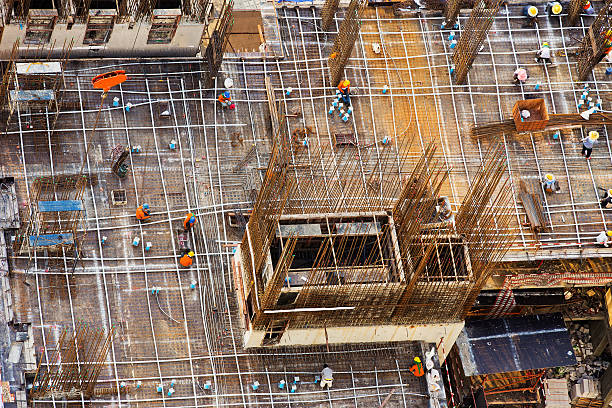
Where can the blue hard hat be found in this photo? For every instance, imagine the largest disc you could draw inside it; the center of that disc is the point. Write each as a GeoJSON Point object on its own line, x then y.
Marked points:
{"type": "Point", "coordinates": [226, 94]}
{"type": "Point", "coordinates": [145, 206]}
{"type": "Point", "coordinates": [192, 219]}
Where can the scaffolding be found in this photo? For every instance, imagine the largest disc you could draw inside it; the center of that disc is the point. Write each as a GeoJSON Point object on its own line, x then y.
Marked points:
{"type": "Point", "coordinates": [54, 221]}
{"type": "Point", "coordinates": [345, 41]}
{"type": "Point", "coordinates": [473, 36]}
{"type": "Point", "coordinates": [74, 367]}
{"type": "Point", "coordinates": [595, 42]}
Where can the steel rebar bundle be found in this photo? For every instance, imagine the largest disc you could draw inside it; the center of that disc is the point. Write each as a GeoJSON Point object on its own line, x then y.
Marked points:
{"type": "Point", "coordinates": [345, 41]}
{"type": "Point", "coordinates": [595, 42]}
{"type": "Point", "coordinates": [75, 364]}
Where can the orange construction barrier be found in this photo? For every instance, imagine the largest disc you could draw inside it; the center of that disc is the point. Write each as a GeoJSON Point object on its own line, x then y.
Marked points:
{"type": "Point", "coordinates": [109, 79]}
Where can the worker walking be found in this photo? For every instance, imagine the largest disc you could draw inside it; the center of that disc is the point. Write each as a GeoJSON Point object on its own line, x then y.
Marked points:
{"type": "Point", "coordinates": [543, 53]}
{"type": "Point", "coordinates": [588, 142]}
{"type": "Point", "coordinates": [345, 91]}
{"type": "Point", "coordinates": [187, 258]}
{"type": "Point", "coordinates": [327, 377]}
{"type": "Point", "coordinates": [142, 212]}
{"type": "Point", "coordinates": [226, 100]}
{"type": "Point", "coordinates": [190, 221]}
{"type": "Point", "coordinates": [520, 76]}
{"type": "Point", "coordinates": [604, 238]}
{"type": "Point", "coordinates": [417, 368]}
{"type": "Point", "coordinates": [606, 199]}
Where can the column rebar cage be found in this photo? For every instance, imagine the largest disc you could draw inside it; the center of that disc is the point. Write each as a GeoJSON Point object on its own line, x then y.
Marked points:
{"type": "Point", "coordinates": [595, 42]}
{"type": "Point", "coordinates": [473, 36]}
{"type": "Point", "coordinates": [328, 12]}
{"type": "Point", "coordinates": [345, 41]}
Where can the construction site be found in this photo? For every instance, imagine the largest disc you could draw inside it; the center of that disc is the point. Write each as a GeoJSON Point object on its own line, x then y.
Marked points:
{"type": "Point", "coordinates": [208, 204]}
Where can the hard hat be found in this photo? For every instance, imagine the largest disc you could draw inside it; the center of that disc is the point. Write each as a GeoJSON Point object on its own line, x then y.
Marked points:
{"type": "Point", "coordinates": [610, 192]}
{"type": "Point", "coordinates": [226, 94]}
{"type": "Point", "coordinates": [525, 113]}
{"type": "Point", "coordinates": [556, 8]}
{"type": "Point", "coordinates": [532, 11]}
{"type": "Point", "coordinates": [190, 254]}
{"type": "Point", "coordinates": [192, 219]}
{"type": "Point", "coordinates": [609, 233]}
{"type": "Point", "coordinates": [346, 82]}
{"type": "Point", "coordinates": [145, 206]}
{"type": "Point", "coordinates": [587, 5]}
{"type": "Point", "coordinates": [418, 360]}
{"type": "Point", "coordinates": [545, 44]}
{"type": "Point", "coordinates": [593, 135]}
{"type": "Point", "coordinates": [550, 177]}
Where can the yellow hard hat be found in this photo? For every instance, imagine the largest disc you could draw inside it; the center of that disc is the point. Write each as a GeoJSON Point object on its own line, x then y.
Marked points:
{"type": "Point", "coordinates": [556, 8]}
{"type": "Point", "coordinates": [609, 233]}
{"type": "Point", "coordinates": [346, 82]}
{"type": "Point", "coordinates": [610, 192]}
{"type": "Point", "coordinates": [532, 11]}
{"type": "Point", "coordinates": [550, 177]}
{"type": "Point", "coordinates": [594, 135]}
{"type": "Point", "coordinates": [545, 44]}
{"type": "Point", "coordinates": [418, 360]}
{"type": "Point", "coordinates": [191, 253]}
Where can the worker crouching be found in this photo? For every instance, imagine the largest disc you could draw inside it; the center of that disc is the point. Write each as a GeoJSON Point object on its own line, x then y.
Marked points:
{"type": "Point", "coordinates": [543, 54]}
{"type": "Point", "coordinates": [226, 101]}
{"type": "Point", "coordinates": [604, 238]}
{"type": "Point", "coordinates": [345, 92]}
{"type": "Point", "coordinates": [189, 221]}
{"type": "Point", "coordinates": [606, 199]}
{"type": "Point", "coordinates": [187, 259]}
{"type": "Point", "coordinates": [550, 183]}
{"type": "Point", "coordinates": [143, 212]}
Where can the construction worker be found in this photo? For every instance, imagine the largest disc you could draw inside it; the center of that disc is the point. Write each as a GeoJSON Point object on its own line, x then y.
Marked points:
{"type": "Point", "coordinates": [588, 8]}
{"type": "Point", "coordinates": [606, 199]}
{"type": "Point", "coordinates": [543, 53]}
{"type": "Point", "coordinates": [604, 238]}
{"type": "Point", "coordinates": [143, 212]}
{"type": "Point", "coordinates": [520, 76]}
{"type": "Point", "coordinates": [550, 184]}
{"type": "Point", "coordinates": [553, 8]}
{"type": "Point", "coordinates": [187, 258]}
{"type": "Point", "coordinates": [588, 142]}
{"type": "Point", "coordinates": [327, 376]}
{"type": "Point", "coordinates": [189, 221]}
{"type": "Point", "coordinates": [417, 368]}
{"type": "Point", "coordinates": [345, 91]}
{"type": "Point", "coordinates": [531, 12]}
{"type": "Point", "coordinates": [226, 100]}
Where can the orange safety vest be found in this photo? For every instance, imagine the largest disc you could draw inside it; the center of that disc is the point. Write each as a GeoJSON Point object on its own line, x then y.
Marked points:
{"type": "Point", "coordinates": [223, 99]}
{"type": "Point", "coordinates": [186, 261]}
{"type": "Point", "coordinates": [141, 214]}
{"type": "Point", "coordinates": [186, 222]}
{"type": "Point", "coordinates": [417, 370]}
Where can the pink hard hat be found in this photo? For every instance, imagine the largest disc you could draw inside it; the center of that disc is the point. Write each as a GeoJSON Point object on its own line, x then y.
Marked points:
{"type": "Point", "coordinates": [521, 74]}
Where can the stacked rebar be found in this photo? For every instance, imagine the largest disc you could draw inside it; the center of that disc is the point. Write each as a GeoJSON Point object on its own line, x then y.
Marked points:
{"type": "Point", "coordinates": [596, 42]}
{"type": "Point", "coordinates": [345, 41]}
{"type": "Point", "coordinates": [473, 36]}
{"type": "Point", "coordinates": [75, 365]}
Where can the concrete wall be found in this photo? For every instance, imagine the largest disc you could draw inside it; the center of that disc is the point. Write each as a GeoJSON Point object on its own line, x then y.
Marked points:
{"type": "Point", "coordinates": [443, 335]}
{"type": "Point", "coordinates": [123, 42]}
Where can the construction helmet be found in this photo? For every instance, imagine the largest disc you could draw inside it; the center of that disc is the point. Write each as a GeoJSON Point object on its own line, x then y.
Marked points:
{"type": "Point", "coordinates": [145, 206]}
{"type": "Point", "coordinates": [192, 219]}
{"type": "Point", "coordinates": [418, 360]}
{"type": "Point", "coordinates": [545, 44]}
{"type": "Point", "coordinates": [556, 8]}
{"type": "Point", "coordinates": [587, 5]}
{"type": "Point", "coordinates": [346, 83]}
{"type": "Point", "coordinates": [610, 193]}
{"type": "Point", "coordinates": [549, 177]}
{"type": "Point", "coordinates": [609, 233]}
{"type": "Point", "coordinates": [226, 94]}
{"type": "Point", "coordinates": [191, 254]}
{"type": "Point", "coordinates": [593, 135]}
{"type": "Point", "coordinates": [532, 11]}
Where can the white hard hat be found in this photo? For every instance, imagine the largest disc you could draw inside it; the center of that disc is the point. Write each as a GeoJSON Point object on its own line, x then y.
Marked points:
{"type": "Point", "coordinates": [525, 113]}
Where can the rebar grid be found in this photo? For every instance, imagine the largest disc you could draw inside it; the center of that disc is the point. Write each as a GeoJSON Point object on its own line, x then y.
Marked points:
{"type": "Point", "coordinates": [473, 36]}
{"type": "Point", "coordinates": [595, 42]}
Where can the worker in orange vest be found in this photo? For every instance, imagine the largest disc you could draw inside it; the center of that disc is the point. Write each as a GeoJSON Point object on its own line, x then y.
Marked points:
{"type": "Point", "coordinates": [187, 259]}
{"type": "Point", "coordinates": [345, 91]}
{"type": "Point", "coordinates": [226, 100]}
{"type": "Point", "coordinates": [417, 368]}
{"type": "Point", "coordinates": [190, 221]}
{"type": "Point", "coordinates": [142, 212]}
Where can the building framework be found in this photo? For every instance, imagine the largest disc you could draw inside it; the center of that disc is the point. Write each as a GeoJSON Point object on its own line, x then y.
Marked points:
{"type": "Point", "coordinates": [192, 335]}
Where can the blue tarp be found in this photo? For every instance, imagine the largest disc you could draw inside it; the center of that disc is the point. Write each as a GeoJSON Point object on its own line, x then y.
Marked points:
{"type": "Point", "coordinates": [51, 239]}
{"type": "Point", "coordinates": [65, 205]}
{"type": "Point", "coordinates": [29, 96]}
